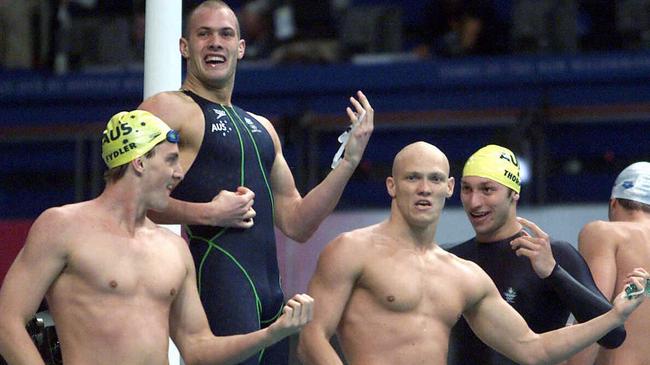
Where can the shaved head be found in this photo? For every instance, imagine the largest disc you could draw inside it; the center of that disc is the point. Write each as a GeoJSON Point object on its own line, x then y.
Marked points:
{"type": "Point", "coordinates": [419, 185]}
{"type": "Point", "coordinates": [418, 151]}
{"type": "Point", "coordinates": [214, 4]}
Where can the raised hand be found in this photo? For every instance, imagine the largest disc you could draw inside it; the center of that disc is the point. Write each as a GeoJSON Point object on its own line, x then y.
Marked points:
{"type": "Point", "coordinates": [362, 120]}
{"type": "Point", "coordinates": [536, 246]}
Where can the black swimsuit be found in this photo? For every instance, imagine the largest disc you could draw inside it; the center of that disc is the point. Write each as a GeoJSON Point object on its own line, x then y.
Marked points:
{"type": "Point", "coordinates": [237, 269]}
{"type": "Point", "coordinates": [545, 304]}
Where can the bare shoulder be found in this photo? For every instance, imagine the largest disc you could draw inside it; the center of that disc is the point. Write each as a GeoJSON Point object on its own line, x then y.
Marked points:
{"type": "Point", "coordinates": [173, 107]}
{"type": "Point", "coordinates": [165, 100]}
{"type": "Point", "coordinates": [595, 233]}
{"type": "Point", "coordinates": [464, 267]}
{"type": "Point", "coordinates": [352, 247]}
{"type": "Point", "coordinates": [57, 226]}
{"type": "Point", "coordinates": [170, 236]}
{"type": "Point", "coordinates": [166, 235]}
{"type": "Point", "coordinates": [361, 239]}
{"type": "Point", "coordinates": [468, 276]}
{"type": "Point", "coordinates": [67, 216]}
{"type": "Point", "coordinates": [595, 227]}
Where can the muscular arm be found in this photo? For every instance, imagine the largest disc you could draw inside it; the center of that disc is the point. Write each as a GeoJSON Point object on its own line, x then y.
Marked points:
{"type": "Point", "coordinates": [191, 333]}
{"type": "Point", "coordinates": [580, 295]}
{"type": "Point", "coordinates": [501, 327]}
{"type": "Point", "coordinates": [314, 207]}
{"type": "Point", "coordinates": [331, 287]}
{"type": "Point", "coordinates": [36, 267]}
{"type": "Point", "coordinates": [227, 208]}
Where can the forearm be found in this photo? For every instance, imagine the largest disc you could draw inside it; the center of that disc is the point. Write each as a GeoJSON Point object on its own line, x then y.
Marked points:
{"type": "Point", "coordinates": [227, 349]}
{"type": "Point", "coordinates": [585, 304]}
{"type": "Point", "coordinates": [181, 212]}
{"type": "Point", "coordinates": [314, 207]}
{"type": "Point", "coordinates": [561, 344]}
{"type": "Point", "coordinates": [17, 347]}
{"type": "Point", "coordinates": [585, 357]}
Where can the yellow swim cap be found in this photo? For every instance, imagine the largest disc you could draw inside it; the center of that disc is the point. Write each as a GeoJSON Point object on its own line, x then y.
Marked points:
{"type": "Point", "coordinates": [495, 163]}
{"type": "Point", "coordinates": [129, 135]}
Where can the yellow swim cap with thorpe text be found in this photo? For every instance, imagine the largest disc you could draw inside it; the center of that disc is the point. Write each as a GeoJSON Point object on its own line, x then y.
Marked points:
{"type": "Point", "coordinates": [495, 163]}
{"type": "Point", "coordinates": [129, 135]}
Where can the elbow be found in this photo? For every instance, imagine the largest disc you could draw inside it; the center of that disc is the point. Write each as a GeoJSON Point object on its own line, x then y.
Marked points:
{"type": "Point", "coordinates": [188, 360]}
{"type": "Point", "coordinates": [189, 351]}
{"type": "Point", "coordinates": [536, 355]}
{"type": "Point", "coordinates": [531, 361]}
{"type": "Point", "coordinates": [299, 233]}
{"type": "Point", "coordinates": [614, 338]}
{"type": "Point", "coordinates": [191, 358]}
{"type": "Point", "coordinates": [301, 350]}
{"type": "Point", "coordinates": [303, 237]}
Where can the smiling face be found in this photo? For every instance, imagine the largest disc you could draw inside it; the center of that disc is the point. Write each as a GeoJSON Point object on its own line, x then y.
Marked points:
{"type": "Point", "coordinates": [490, 207]}
{"type": "Point", "coordinates": [161, 173]}
{"type": "Point", "coordinates": [212, 46]}
{"type": "Point", "coordinates": [420, 184]}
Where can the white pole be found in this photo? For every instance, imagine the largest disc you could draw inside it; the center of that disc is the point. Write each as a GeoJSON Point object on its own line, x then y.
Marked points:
{"type": "Point", "coordinates": [162, 59]}
{"type": "Point", "coordinates": [162, 69]}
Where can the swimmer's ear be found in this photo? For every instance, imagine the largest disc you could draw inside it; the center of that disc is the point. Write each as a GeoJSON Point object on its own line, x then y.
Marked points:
{"type": "Point", "coordinates": [390, 186]}
{"type": "Point", "coordinates": [182, 46]}
{"type": "Point", "coordinates": [515, 196]}
{"type": "Point", "coordinates": [450, 186]}
{"type": "Point", "coordinates": [138, 165]}
{"type": "Point", "coordinates": [241, 49]}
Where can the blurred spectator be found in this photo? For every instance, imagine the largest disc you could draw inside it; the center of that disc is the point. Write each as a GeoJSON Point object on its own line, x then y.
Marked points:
{"type": "Point", "coordinates": [597, 18]}
{"type": "Point", "coordinates": [461, 27]}
{"type": "Point", "coordinates": [633, 23]}
{"type": "Point", "coordinates": [256, 22]}
{"type": "Point", "coordinates": [370, 30]}
{"type": "Point", "coordinates": [289, 30]}
{"type": "Point", "coordinates": [98, 34]}
{"type": "Point", "coordinates": [62, 30]}
{"type": "Point", "coordinates": [544, 26]}
{"type": "Point", "coordinates": [17, 33]}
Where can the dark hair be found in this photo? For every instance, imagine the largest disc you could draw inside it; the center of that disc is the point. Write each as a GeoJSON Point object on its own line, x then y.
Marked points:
{"type": "Point", "coordinates": [117, 172]}
{"type": "Point", "coordinates": [633, 205]}
{"type": "Point", "coordinates": [211, 3]}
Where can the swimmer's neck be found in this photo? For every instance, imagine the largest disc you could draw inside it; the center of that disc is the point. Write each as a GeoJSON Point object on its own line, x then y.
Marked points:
{"type": "Point", "coordinates": [124, 207]}
{"type": "Point", "coordinates": [506, 231]}
{"type": "Point", "coordinates": [216, 94]}
{"type": "Point", "coordinates": [419, 237]}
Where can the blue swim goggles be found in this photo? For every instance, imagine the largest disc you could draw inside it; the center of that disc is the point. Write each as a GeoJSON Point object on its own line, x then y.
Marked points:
{"type": "Point", "coordinates": [173, 136]}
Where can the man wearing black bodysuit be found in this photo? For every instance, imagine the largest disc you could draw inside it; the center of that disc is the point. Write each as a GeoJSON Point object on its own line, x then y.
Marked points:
{"type": "Point", "coordinates": [544, 280]}
{"type": "Point", "coordinates": [238, 186]}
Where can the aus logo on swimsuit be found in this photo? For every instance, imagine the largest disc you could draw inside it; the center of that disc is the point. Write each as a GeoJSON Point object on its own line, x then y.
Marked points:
{"type": "Point", "coordinates": [222, 125]}
{"type": "Point", "coordinates": [510, 295]}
